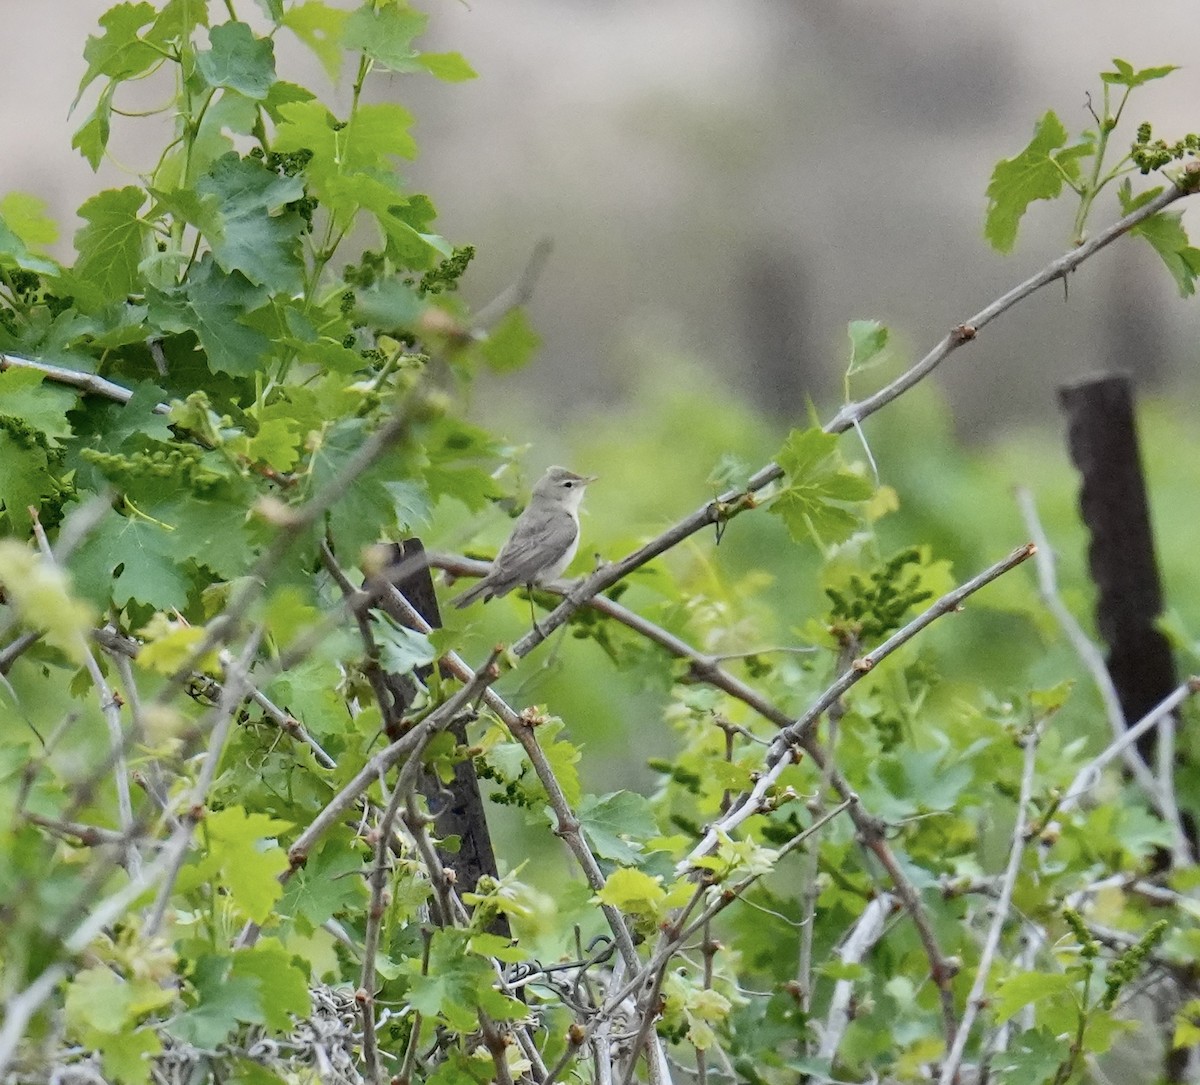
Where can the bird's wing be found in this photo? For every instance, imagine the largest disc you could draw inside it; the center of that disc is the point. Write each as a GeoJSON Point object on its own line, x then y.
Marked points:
{"type": "Point", "coordinates": [531, 547]}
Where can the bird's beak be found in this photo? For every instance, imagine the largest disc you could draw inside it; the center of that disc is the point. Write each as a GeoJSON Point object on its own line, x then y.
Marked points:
{"type": "Point", "coordinates": [587, 480]}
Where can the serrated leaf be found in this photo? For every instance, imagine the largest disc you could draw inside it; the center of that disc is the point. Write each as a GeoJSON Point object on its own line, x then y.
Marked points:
{"type": "Point", "coordinates": [1167, 236]}
{"type": "Point", "coordinates": [379, 131]}
{"type": "Point", "coordinates": [119, 53]}
{"type": "Point", "coordinates": [455, 982]}
{"type": "Point", "coordinates": [25, 480]}
{"type": "Point", "coordinates": [247, 865]}
{"type": "Point", "coordinates": [91, 138]}
{"type": "Point", "coordinates": [238, 60]}
{"type": "Point", "coordinates": [633, 891]}
{"type": "Point", "coordinates": [511, 343]}
{"type": "Point", "coordinates": [1034, 174]}
{"type": "Point", "coordinates": [220, 301]}
{"type": "Point", "coordinates": [448, 67]}
{"type": "Point", "coordinates": [1025, 988]}
{"type": "Point", "coordinates": [223, 1003]}
{"type": "Point", "coordinates": [1125, 76]}
{"type": "Point", "coordinates": [365, 510]}
{"type": "Point", "coordinates": [320, 27]}
{"type": "Point", "coordinates": [110, 245]}
{"type": "Point", "coordinates": [615, 823]}
{"type": "Point", "coordinates": [330, 882]}
{"type": "Point", "coordinates": [253, 235]}
{"type": "Point", "coordinates": [385, 34]}
{"type": "Point", "coordinates": [868, 339]}
{"type": "Point", "coordinates": [127, 557]}
{"type": "Point", "coordinates": [25, 394]}
{"type": "Point", "coordinates": [814, 498]}
{"type": "Point", "coordinates": [282, 986]}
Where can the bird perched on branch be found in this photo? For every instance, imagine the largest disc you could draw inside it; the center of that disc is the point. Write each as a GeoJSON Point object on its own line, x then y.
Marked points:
{"type": "Point", "coordinates": [543, 540]}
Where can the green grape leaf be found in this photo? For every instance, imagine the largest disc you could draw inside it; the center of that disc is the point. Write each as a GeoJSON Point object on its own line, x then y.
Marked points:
{"type": "Point", "coordinates": [110, 246]}
{"type": "Point", "coordinates": [365, 509]}
{"type": "Point", "coordinates": [91, 138]}
{"type": "Point", "coordinates": [1168, 237]}
{"type": "Point", "coordinates": [219, 302]}
{"type": "Point", "coordinates": [330, 882]}
{"type": "Point", "coordinates": [378, 131]}
{"type": "Point", "coordinates": [1124, 75]}
{"type": "Point", "coordinates": [27, 217]}
{"type": "Point", "coordinates": [455, 983]}
{"type": "Point", "coordinates": [248, 869]}
{"type": "Point", "coordinates": [24, 226]}
{"type": "Point", "coordinates": [128, 557]}
{"type": "Point", "coordinates": [868, 341]}
{"type": "Point", "coordinates": [385, 34]}
{"type": "Point", "coordinates": [814, 501]}
{"type": "Point", "coordinates": [119, 53]}
{"type": "Point", "coordinates": [1037, 173]}
{"type": "Point", "coordinates": [1034, 1055]}
{"type": "Point", "coordinates": [213, 534]}
{"type": "Point", "coordinates": [511, 343]}
{"type": "Point", "coordinates": [614, 823]}
{"type": "Point", "coordinates": [448, 67]}
{"type": "Point", "coordinates": [224, 1002]}
{"type": "Point", "coordinates": [254, 235]}
{"type": "Point", "coordinates": [1024, 988]}
{"type": "Point", "coordinates": [25, 479]}
{"type": "Point", "coordinates": [633, 891]}
{"type": "Point", "coordinates": [238, 61]}
{"type": "Point", "coordinates": [401, 650]}
{"type": "Point", "coordinates": [320, 27]}
{"type": "Point", "coordinates": [25, 394]}
{"type": "Point", "coordinates": [282, 986]}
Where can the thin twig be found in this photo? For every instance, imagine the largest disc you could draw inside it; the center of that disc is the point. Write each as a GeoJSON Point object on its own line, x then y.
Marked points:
{"type": "Point", "coordinates": [517, 293]}
{"type": "Point", "coordinates": [181, 838]}
{"type": "Point", "coordinates": [867, 930]}
{"type": "Point", "coordinates": [85, 382]}
{"type": "Point", "coordinates": [110, 709]}
{"type": "Point", "coordinates": [975, 998]}
{"type": "Point", "coordinates": [12, 651]}
{"type": "Point", "coordinates": [378, 881]}
{"type": "Point", "coordinates": [1085, 647]}
{"type": "Point", "coordinates": [1087, 776]}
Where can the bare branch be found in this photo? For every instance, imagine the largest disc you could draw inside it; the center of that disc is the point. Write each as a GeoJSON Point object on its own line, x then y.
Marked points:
{"type": "Point", "coordinates": [110, 709]}
{"type": "Point", "coordinates": [1090, 773]}
{"type": "Point", "coordinates": [89, 383]}
{"type": "Point", "coordinates": [177, 847]}
{"type": "Point", "coordinates": [1089, 654]}
{"type": "Point", "coordinates": [863, 935]}
{"type": "Point", "coordinates": [969, 329]}
{"type": "Point", "coordinates": [975, 998]}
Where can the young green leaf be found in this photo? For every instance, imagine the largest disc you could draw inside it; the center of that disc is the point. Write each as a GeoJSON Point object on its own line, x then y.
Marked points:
{"type": "Point", "coordinates": [385, 34]}
{"type": "Point", "coordinates": [110, 246]}
{"type": "Point", "coordinates": [119, 53]}
{"type": "Point", "coordinates": [320, 27]}
{"type": "Point", "coordinates": [1037, 173]}
{"type": "Point", "coordinates": [511, 343]}
{"type": "Point", "coordinates": [238, 61]}
{"type": "Point", "coordinates": [1125, 76]}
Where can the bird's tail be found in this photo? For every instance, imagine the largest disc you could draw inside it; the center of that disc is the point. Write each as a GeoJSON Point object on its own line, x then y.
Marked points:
{"type": "Point", "coordinates": [482, 590]}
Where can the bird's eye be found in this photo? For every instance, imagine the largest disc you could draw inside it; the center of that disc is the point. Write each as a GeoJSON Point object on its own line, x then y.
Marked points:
{"type": "Point", "coordinates": [568, 485]}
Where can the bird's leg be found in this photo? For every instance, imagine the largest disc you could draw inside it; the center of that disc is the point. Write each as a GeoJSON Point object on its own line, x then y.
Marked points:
{"type": "Point", "coordinates": [532, 615]}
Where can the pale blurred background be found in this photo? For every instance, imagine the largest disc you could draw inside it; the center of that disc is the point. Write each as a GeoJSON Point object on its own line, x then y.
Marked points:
{"type": "Point", "coordinates": [731, 183]}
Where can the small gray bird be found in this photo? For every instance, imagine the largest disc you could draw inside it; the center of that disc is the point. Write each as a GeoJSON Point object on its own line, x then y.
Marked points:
{"type": "Point", "coordinates": [543, 540]}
